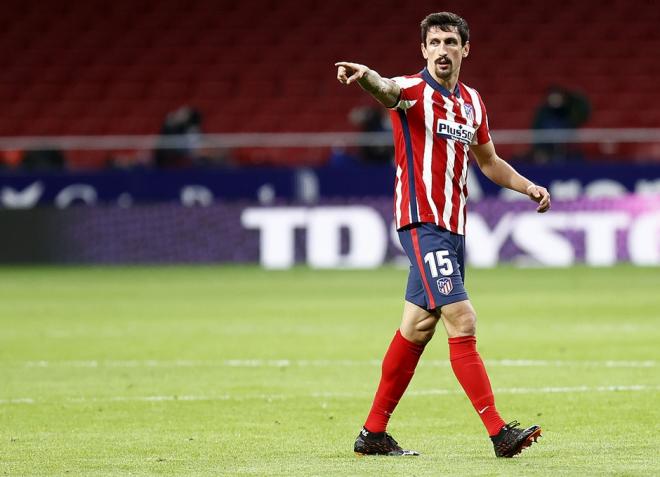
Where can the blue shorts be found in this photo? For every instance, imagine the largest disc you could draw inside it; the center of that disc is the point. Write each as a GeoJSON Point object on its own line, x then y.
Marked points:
{"type": "Point", "coordinates": [437, 269]}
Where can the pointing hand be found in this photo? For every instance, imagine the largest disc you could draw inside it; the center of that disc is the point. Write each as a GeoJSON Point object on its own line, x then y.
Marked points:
{"type": "Point", "coordinates": [348, 73]}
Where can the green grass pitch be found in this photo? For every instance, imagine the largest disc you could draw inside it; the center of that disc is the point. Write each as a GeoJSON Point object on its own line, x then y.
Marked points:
{"type": "Point", "coordinates": [239, 371]}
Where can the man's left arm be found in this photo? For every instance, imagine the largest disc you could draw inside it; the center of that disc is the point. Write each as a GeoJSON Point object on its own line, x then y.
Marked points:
{"type": "Point", "coordinates": [502, 174]}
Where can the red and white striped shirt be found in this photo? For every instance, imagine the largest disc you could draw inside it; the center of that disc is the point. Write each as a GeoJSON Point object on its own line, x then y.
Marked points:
{"type": "Point", "coordinates": [433, 129]}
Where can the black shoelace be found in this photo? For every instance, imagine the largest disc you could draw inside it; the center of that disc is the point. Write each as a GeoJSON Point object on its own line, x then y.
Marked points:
{"type": "Point", "coordinates": [509, 438]}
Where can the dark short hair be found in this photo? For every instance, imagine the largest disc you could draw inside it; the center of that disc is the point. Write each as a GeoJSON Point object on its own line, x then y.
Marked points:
{"type": "Point", "coordinates": [446, 21]}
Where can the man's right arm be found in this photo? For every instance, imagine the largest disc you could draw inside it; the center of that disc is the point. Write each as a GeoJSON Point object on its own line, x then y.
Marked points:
{"type": "Point", "coordinates": [384, 90]}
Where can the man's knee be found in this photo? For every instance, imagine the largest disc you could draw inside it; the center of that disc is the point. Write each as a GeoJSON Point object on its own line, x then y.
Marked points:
{"type": "Point", "coordinates": [460, 319]}
{"type": "Point", "coordinates": [466, 324]}
{"type": "Point", "coordinates": [422, 331]}
{"type": "Point", "coordinates": [418, 325]}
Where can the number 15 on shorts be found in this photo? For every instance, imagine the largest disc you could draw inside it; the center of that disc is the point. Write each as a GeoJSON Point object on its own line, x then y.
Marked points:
{"type": "Point", "coordinates": [439, 263]}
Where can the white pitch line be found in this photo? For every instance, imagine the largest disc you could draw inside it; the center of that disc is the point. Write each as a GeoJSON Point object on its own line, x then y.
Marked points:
{"type": "Point", "coordinates": [549, 390]}
{"type": "Point", "coordinates": [302, 363]}
{"type": "Point", "coordinates": [329, 395]}
{"type": "Point", "coordinates": [17, 401]}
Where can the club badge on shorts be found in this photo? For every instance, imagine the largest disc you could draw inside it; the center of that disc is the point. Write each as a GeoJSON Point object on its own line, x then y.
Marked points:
{"type": "Point", "coordinates": [445, 286]}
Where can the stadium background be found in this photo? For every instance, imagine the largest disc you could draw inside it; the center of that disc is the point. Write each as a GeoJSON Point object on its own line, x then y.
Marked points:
{"type": "Point", "coordinates": [86, 88]}
{"type": "Point", "coordinates": [93, 359]}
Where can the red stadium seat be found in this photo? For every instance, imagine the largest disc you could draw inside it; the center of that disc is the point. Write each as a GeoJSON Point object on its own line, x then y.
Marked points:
{"type": "Point", "coordinates": [135, 61]}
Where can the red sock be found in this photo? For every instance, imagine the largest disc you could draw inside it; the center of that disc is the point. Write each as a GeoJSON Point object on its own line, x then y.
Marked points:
{"type": "Point", "coordinates": [398, 368]}
{"type": "Point", "coordinates": [471, 373]}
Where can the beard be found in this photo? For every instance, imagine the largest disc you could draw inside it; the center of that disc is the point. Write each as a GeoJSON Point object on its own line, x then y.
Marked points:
{"type": "Point", "coordinates": [444, 73]}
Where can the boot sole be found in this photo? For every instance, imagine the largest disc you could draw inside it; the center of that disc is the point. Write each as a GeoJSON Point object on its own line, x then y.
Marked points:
{"type": "Point", "coordinates": [531, 439]}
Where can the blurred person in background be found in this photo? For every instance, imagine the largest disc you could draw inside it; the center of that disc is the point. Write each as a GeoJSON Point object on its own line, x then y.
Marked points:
{"type": "Point", "coordinates": [372, 119]}
{"type": "Point", "coordinates": [436, 121]}
{"type": "Point", "coordinates": [185, 122]}
{"type": "Point", "coordinates": [43, 160]}
{"type": "Point", "coordinates": [560, 109]}
{"type": "Point", "coordinates": [47, 159]}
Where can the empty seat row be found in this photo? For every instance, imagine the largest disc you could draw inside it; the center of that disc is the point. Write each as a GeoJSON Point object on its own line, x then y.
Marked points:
{"type": "Point", "coordinates": [87, 68]}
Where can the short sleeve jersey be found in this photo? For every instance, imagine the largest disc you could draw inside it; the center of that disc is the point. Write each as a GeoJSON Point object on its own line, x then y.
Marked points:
{"type": "Point", "coordinates": [433, 129]}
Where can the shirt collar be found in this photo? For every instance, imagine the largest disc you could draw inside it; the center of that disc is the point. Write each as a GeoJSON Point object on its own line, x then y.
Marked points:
{"type": "Point", "coordinates": [437, 86]}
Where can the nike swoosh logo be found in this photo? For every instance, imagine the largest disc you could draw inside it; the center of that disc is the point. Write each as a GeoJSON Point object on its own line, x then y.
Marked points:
{"type": "Point", "coordinates": [483, 410]}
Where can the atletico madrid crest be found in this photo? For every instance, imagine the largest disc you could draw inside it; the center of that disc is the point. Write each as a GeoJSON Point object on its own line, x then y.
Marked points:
{"type": "Point", "coordinates": [445, 286]}
{"type": "Point", "coordinates": [469, 110]}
